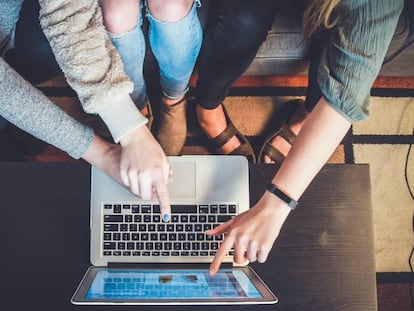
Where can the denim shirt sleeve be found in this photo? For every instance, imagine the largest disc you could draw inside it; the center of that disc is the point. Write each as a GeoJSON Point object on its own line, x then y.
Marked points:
{"type": "Point", "coordinates": [353, 56]}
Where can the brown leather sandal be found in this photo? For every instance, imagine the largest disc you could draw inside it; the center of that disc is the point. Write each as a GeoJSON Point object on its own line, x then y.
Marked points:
{"type": "Point", "coordinates": [267, 149]}
{"type": "Point", "coordinates": [285, 132]}
{"type": "Point", "coordinates": [230, 131]}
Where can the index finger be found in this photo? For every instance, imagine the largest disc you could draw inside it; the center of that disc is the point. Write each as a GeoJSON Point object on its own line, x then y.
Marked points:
{"type": "Point", "coordinates": [163, 196]}
{"type": "Point", "coordinates": [221, 253]}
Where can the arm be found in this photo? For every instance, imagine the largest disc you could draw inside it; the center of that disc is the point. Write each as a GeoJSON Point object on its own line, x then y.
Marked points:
{"type": "Point", "coordinates": [94, 70]}
{"type": "Point", "coordinates": [27, 108]}
{"type": "Point", "coordinates": [254, 232]}
{"type": "Point", "coordinates": [348, 67]}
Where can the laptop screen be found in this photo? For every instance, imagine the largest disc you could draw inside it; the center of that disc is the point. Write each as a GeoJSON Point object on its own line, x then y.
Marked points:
{"type": "Point", "coordinates": [161, 286]}
{"type": "Point", "coordinates": [176, 284]}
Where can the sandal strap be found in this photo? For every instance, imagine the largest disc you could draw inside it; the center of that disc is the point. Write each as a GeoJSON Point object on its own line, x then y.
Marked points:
{"type": "Point", "coordinates": [273, 153]}
{"type": "Point", "coordinates": [224, 136]}
{"type": "Point", "coordinates": [287, 134]}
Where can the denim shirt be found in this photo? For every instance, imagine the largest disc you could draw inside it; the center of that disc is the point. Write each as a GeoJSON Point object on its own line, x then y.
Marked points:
{"type": "Point", "coordinates": [352, 58]}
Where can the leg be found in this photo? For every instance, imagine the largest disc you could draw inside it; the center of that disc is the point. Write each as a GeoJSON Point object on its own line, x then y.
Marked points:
{"type": "Point", "coordinates": [235, 31]}
{"type": "Point", "coordinates": [278, 144]}
{"type": "Point", "coordinates": [175, 37]}
{"type": "Point", "coordinates": [123, 20]}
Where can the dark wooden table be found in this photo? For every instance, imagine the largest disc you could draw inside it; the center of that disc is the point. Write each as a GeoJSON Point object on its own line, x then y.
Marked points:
{"type": "Point", "coordinates": [322, 260]}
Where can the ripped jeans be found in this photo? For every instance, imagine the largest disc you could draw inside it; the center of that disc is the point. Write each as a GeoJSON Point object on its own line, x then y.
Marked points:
{"type": "Point", "coordinates": [175, 46]}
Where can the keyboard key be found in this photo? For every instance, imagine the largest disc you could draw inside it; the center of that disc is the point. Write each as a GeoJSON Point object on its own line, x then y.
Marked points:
{"type": "Point", "coordinates": [203, 209]}
{"type": "Point", "coordinates": [146, 209]}
{"type": "Point", "coordinates": [111, 227]}
{"type": "Point", "coordinates": [113, 218]}
{"type": "Point", "coordinates": [184, 209]}
{"type": "Point", "coordinates": [117, 208]}
{"type": "Point", "coordinates": [213, 208]}
{"type": "Point", "coordinates": [223, 218]}
{"type": "Point", "coordinates": [135, 208]}
{"type": "Point", "coordinates": [223, 209]}
{"type": "Point", "coordinates": [109, 245]}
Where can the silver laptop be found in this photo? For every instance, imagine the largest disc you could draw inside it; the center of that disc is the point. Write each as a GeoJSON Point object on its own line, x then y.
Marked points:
{"type": "Point", "coordinates": [139, 259]}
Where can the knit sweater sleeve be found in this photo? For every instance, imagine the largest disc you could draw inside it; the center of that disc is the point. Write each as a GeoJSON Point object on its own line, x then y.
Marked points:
{"type": "Point", "coordinates": [354, 54]}
{"type": "Point", "coordinates": [89, 61]}
{"type": "Point", "coordinates": [27, 108]}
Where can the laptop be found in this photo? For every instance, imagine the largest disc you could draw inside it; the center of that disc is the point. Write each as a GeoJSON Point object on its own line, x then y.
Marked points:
{"type": "Point", "coordinates": [137, 259]}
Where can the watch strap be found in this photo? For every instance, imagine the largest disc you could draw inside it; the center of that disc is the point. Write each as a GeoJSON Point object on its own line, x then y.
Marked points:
{"type": "Point", "coordinates": [281, 195]}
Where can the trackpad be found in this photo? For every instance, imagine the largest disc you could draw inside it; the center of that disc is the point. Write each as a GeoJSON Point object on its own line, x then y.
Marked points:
{"type": "Point", "coordinates": [183, 184]}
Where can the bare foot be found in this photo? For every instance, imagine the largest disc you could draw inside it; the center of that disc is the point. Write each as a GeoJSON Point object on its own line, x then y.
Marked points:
{"type": "Point", "coordinates": [213, 122]}
{"type": "Point", "coordinates": [295, 124]}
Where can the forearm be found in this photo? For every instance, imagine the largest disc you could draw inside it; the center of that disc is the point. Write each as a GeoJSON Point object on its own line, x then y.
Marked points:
{"type": "Point", "coordinates": [322, 132]}
{"type": "Point", "coordinates": [27, 108]}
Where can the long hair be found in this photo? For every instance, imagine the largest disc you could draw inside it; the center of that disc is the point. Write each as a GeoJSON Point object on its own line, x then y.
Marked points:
{"type": "Point", "coordinates": [319, 13]}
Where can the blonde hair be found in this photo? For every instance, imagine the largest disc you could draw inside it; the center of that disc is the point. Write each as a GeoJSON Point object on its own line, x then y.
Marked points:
{"type": "Point", "coordinates": [319, 13]}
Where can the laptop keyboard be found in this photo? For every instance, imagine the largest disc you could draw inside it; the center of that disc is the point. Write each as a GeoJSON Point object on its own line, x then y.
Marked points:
{"type": "Point", "coordinates": [138, 229]}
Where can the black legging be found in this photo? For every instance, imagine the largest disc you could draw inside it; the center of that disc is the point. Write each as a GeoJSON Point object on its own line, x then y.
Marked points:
{"type": "Point", "coordinates": [235, 30]}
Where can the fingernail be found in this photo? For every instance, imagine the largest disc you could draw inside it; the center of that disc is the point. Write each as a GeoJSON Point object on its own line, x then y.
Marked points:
{"type": "Point", "coordinates": [267, 161]}
{"type": "Point", "coordinates": [166, 217]}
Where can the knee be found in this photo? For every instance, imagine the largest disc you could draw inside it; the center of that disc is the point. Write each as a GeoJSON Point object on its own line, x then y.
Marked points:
{"type": "Point", "coordinates": [250, 27]}
{"type": "Point", "coordinates": [169, 11]}
{"type": "Point", "coordinates": [120, 16]}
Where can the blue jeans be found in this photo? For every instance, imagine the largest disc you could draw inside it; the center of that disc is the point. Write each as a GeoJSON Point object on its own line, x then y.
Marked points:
{"type": "Point", "coordinates": [175, 46]}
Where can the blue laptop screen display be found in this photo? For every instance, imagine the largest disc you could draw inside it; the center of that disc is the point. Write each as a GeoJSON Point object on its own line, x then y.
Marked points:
{"type": "Point", "coordinates": [171, 284]}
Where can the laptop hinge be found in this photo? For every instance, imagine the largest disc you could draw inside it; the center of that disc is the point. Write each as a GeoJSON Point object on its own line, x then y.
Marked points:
{"type": "Point", "coordinates": [165, 265]}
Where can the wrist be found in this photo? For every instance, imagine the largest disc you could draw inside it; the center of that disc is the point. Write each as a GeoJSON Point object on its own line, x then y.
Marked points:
{"type": "Point", "coordinates": [281, 195]}
{"type": "Point", "coordinates": [134, 135]}
{"type": "Point", "coordinates": [97, 151]}
{"type": "Point", "coordinates": [275, 207]}
{"type": "Point", "coordinates": [121, 116]}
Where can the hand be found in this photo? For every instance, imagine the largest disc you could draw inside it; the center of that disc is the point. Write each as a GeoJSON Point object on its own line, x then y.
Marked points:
{"type": "Point", "coordinates": [144, 167]}
{"type": "Point", "coordinates": [251, 233]}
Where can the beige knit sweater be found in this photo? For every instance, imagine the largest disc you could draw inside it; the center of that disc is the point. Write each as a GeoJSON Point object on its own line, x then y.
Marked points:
{"type": "Point", "coordinates": [90, 63]}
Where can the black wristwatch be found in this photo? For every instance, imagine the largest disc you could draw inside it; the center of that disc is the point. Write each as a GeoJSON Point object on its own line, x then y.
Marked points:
{"type": "Point", "coordinates": [281, 195]}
